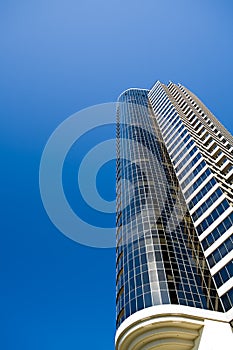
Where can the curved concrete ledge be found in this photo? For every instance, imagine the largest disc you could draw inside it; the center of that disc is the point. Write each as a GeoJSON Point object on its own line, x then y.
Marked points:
{"type": "Point", "coordinates": [171, 327]}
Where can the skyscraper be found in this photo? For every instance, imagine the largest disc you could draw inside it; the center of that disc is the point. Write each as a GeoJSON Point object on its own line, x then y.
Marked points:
{"type": "Point", "coordinates": [174, 276]}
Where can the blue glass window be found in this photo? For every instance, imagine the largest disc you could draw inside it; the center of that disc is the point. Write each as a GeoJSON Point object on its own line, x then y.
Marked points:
{"type": "Point", "coordinates": [186, 158]}
{"type": "Point", "coordinates": [189, 166]}
{"type": "Point", "coordinates": [182, 153]}
{"type": "Point", "coordinates": [218, 232]}
{"type": "Point", "coordinates": [202, 193]}
{"type": "Point", "coordinates": [217, 194]}
{"type": "Point", "coordinates": [194, 173]}
{"type": "Point", "coordinates": [197, 183]}
{"type": "Point", "coordinates": [220, 252]}
{"type": "Point", "coordinates": [212, 217]}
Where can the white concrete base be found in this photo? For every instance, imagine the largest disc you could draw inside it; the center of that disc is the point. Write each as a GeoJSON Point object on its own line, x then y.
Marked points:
{"type": "Point", "coordinates": [215, 335]}
{"type": "Point", "coordinates": [175, 327]}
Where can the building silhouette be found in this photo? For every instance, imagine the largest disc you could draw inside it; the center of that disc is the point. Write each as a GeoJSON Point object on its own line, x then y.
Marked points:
{"type": "Point", "coordinates": [174, 268]}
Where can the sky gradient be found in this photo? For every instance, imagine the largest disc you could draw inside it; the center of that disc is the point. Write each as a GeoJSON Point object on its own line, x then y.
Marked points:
{"type": "Point", "coordinates": [58, 57]}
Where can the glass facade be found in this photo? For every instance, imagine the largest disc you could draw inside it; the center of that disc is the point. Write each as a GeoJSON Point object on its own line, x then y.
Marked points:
{"type": "Point", "coordinates": [201, 152]}
{"type": "Point", "coordinates": [159, 257]}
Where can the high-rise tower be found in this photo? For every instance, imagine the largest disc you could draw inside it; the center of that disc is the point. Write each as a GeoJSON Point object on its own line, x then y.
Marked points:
{"type": "Point", "coordinates": [174, 222]}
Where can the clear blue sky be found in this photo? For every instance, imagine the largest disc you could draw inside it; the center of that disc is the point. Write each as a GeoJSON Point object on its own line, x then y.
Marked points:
{"type": "Point", "coordinates": [56, 58]}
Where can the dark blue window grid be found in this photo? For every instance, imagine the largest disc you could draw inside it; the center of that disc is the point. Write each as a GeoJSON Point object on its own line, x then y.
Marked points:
{"type": "Point", "coordinates": [202, 193]}
{"type": "Point", "coordinates": [207, 204]}
{"type": "Point", "coordinates": [225, 248]}
{"type": "Point", "coordinates": [217, 232]}
{"type": "Point", "coordinates": [223, 275]}
{"type": "Point", "coordinates": [186, 158]}
{"type": "Point", "coordinates": [217, 212]}
{"type": "Point", "coordinates": [197, 183]}
{"type": "Point", "coordinates": [177, 150]}
{"type": "Point", "coordinates": [190, 165]}
{"type": "Point", "coordinates": [178, 139]}
{"type": "Point", "coordinates": [193, 174]}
